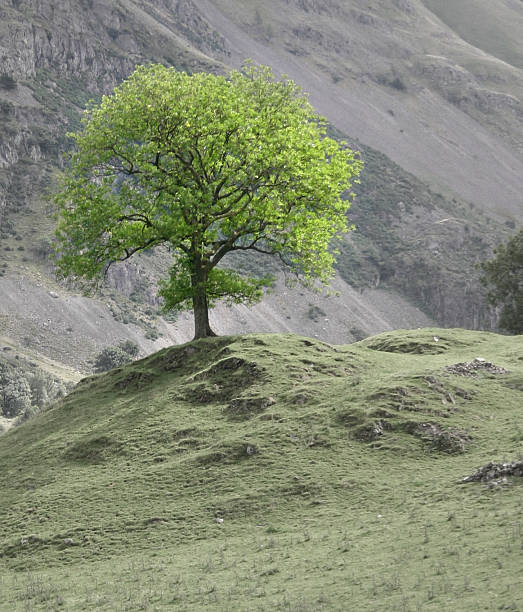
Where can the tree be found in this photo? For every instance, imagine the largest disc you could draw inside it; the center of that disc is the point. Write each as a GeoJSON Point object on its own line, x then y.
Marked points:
{"type": "Point", "coordinates": [206, 165]}
{"type": "Point", "coordinates": [15, 397]}
{"type": "Point", "coordinates": [504, 278]}
{"type": "Point", "coordinates": [114, 356]}
{"type": "Point", "coordinates": [45, 388]}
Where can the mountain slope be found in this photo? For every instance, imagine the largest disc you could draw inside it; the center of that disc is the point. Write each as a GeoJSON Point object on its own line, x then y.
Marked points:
{"type": "Point", "coordinates": [390, 75]}
{"type": "Point", "coordinates": [456, 111]}
{"type": "Point", "coordinates": [493, 27]}
{"type": "Point", "coordinates": [267, 471]}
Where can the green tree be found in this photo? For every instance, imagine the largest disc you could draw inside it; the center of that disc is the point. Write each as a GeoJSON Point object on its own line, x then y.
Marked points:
{"type": "Point", "coordinates": [114, 356]}
{"type": "Point", "coordinates": [15, 397]}
{"type": "Point", "coordinates": [39, 383]}
{"type": "Point", "coordinates": [206, 165]}
{"type": "Point", "coordinates": [503, 276]}
{"type": "Point", "coordinates": [44, 388]}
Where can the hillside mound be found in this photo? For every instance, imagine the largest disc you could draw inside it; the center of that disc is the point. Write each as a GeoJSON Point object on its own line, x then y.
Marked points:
{"type": "Point", "coordinates": [226, 472]}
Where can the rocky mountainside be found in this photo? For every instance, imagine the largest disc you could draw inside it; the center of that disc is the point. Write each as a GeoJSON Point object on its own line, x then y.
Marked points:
{"type": "Point", "coordinates": [403, 81]}
{"type": "Point", "coordinates": [432, 102]}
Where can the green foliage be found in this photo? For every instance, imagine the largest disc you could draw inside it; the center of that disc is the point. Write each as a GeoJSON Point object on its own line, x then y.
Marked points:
{"type": "Point", "coordinates": [503, 276]}
{"type": "Point", "coordinates": [130, 347]}
{"type": "Point", "coordinates": [15, 396]}
{"type": "Point", "coordinates": [222, 284]}
{"type": "Point", "coordinates": [209, 166]}
{"type": "Point", "coordinates": [110, 357]}
{"type": "Point", "coordinates": [115, 356]}
{"type": "Point", "coordinates": [23, 392]}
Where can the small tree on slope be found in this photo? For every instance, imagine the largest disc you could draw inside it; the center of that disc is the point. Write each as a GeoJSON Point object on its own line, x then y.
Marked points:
{"type": "Point", "coordinates": [206, 165]}
{"type": "Point", "coordinates": [504, 279]}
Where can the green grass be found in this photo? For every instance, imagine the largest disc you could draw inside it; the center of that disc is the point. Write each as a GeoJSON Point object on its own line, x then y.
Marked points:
{"type": "Point", "coordinates": [335, 493]}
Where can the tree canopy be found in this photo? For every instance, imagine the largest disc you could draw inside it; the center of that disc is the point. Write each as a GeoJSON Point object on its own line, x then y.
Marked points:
{"type": "Point", "coordinates": [206, 165]}
{"type": "Point", "coordinates": [504, 279]}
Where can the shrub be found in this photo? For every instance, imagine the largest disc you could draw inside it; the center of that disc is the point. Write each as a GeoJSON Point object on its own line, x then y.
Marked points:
{"type": "Point", "coordinates": [315, 313]}
{"type": "Point", "coordinates": [7, 82]}
{"type": "Point", "coordinates": [6, 108]}
{"type": "Point", "coordinates": [130, 347]}
{"type": "Point", "coordinates": [109, 358]}
{"type": "Point", "coordinates": [16, 397]}
{"type": "Point", "coordinates": [395, 83]}
{"type": "Point", "coordinates": [24, 393]}
{"type": "Point", "coordinates": [45, 388]}
{"type": "Point", "coordinates": [114, 356]}
{"type": "Point", "coordinates": [398, 84]}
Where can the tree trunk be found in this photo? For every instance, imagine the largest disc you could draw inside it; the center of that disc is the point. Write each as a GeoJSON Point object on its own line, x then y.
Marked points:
{"type": "Point", "coordinates": [202, 329]}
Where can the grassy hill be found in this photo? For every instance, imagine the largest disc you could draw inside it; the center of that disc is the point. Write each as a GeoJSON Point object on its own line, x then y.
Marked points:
{"type": "Point", "coordinates": [273, 472]}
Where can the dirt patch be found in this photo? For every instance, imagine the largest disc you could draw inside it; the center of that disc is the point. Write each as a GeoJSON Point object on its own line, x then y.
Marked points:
{"type": "Point", "coordinates": [448, 394]}
{"type": "Point", "coordinates": [300, 399]}
{"type": "Point", "coordinates": [371, 426]}
{"type": "Point", "coordinates": [231, 369]}
{"type": "Point", "coordinates": [242, 408]}
{"type": "Point", "coordinates": [134, 380]}
{"type": "Point", "coordinates": [414, 346]}
{"type": "Point", "coordinates": [187, 444]}
{"type": "Point", "coordinates": [232, 364]}
{"type": "Point", "coordinates": [174, 358]}
{"type": "Point", "coordinates": [94, 449]}
{"type": "Point", "coordinates": [222, 381]}
{"type": "Point", "coordinates": [353, 417]}
{"type": "Point", "coordinates": [442, 440]}
{"type": "Point", "coordinates": [365, 426]}
{"type": "Point", "coordinates": [203, 394]}
{"type": "Point", "coordinates": [227, 453]}
{"type": "Point", "coordinates": [184, 433]}
{"type": "Point", "coordinates": [372, 431]}
{"type": "Point", "coordinates": [154, 520]}
{"type": "Point", "coordinates": [515, 382]}
{"type": "Point", "coordinates": [398, 398]}
{"type": "Point", "coordinates": [414, 398]}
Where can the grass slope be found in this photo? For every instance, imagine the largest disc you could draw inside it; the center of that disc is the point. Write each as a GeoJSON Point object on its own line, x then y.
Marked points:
{"type": "Point", "coordinates": [272, 472]}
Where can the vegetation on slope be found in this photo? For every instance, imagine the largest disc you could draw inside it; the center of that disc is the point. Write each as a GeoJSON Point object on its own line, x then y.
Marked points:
{"type": "Point", "coordinates": [422, 244]}
{"type": "Point", "coordinates": [273, 472]}
{"type": "Point", "coordinates": [26, 387]}
{"type": "Point", "coordinates": [503, 275]}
